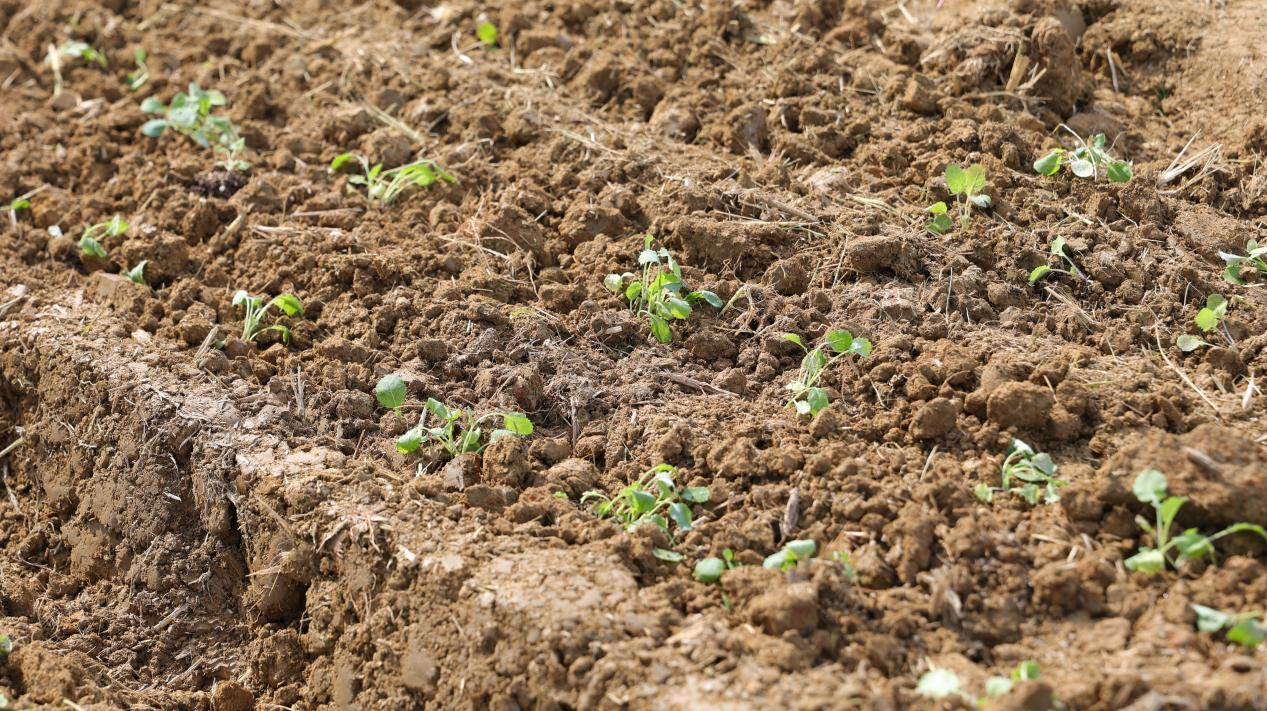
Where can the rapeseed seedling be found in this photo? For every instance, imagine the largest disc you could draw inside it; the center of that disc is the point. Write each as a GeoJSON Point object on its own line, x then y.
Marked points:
{"type": "Point", "coordinates": [1057, 248]}
{"type": "Point", "coordinates": [807, 397]}
{"type": "Point", "coordinates": [1207, 319]}
{"type": "Point", "coordinates": [390, 392]}
{"type": "Point", "coordinates": [191, 115]}
{"type": "Point", "coordinates": [458, 431]}
{"type": "Point", "coordinates": [256, 309]}
{"type": "Point", "coordinates": [90, 241]}
{"type": "Point", "coordinates": [1255, 257]}
{"type": "Point", "coordinates": [966, 185]}
{"type": "Point", "coordinates": [658, 292]}
{"type": "Point", "coordinates": [385, 186]}
{"type": "Point", "coordinates": [1037, 471]}
{"type": "Point", "coordinates": [1244, 628]}
{"type": "Point", "coordinates": [137, 273]}
{"type": "Point", "coordinates": [790, 554]}
{"type": "Point", "coordinates": [1089, 160]}
{"type": "Point", "coordinates": [653, 498]}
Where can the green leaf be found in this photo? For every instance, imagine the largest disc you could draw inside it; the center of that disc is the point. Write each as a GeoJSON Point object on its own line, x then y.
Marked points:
{"type": "Point", "coordinates": [793, 338]}
{"type": "Point", "coordinates": [861, 346]}
{"type": "Point", "coordinates": [938, 684]}
{"type": "Point", "coordinates": [1210, 619]}
{"type": "Point", "coordinates": [517, 423]}
{"type": "Point", "coordinates": [1038, 273]}
{"type": "Point", "coordinates": [678, 308]}
{"type": "Point", "coordinates": [660, 329]}
{"type": "Point", "coordinates": [937, 208]}
{"type": "Point", "coordinates": [487, 32]}
{"type": "Point", "coordinates": [1082, 168]}
{"type": "Point", "coordinates": [1119, 171]}
{"type": "Point", "coordinates": [776, 561]}
{"type": "Point", "coordinates": [680, 513]}
{"type": "Point", "coordinates": [154, 128]}
{"type": "Point", "coordinates": [1192, 544]}
{"type": "Point", "coordinates": [1050, 163]}
{"type": "Point", "coordinates": [612, 282]}
{"type": "Point", "coordinates": [984, 493]}
{"type": "Point", "coordinates": [712, 299]}
{"type": "Point", "coordinates": [802, 548]}
{"type": "Point", "coordinates": [981, 200]}
{"type": "Point", "coordinates": [642, 501]}
{"type": "Point", "coordinates": [648, 257]}
{"type": "Point", "coordinates": [1207, 320]}
{"type": "Point", "coordinates": [709, 570]}
{"type": "Point", "coordinates": [1026, 671]}
{"type": "Point", "coordinates": [137, 273]}
{"type": "Point", "coordinates": [390, 391]}
{"type": "Point", "coordinates": [1248, 632]}
{"type": "Point", "coordinates": [974, 179]}
{"type": "Point", "coordinates": [289, 304]}
{"type": "Point", "coordinates": [1147, 560]}
{"type": "Point", "coordinates": [409, 442]}
{"type": "Point", "coordinates": [667, 555]}
{"type": "Point", "coordinates": [956, 179]}
{"type": "Point", "coordinates": [817, 399]}
{"type": "Point", "coordinates": [152, 106]}
{"type": "Point", "coordinates": [341, 160]}
{"type": "Point", "coordinates": [695, 494]}
{"type": "Point", "coordinates": [438, 409]}
{"type": "Point", "coordinates": [998, 686]}
{"type": "Point", "coordinates": [1216, 303]}
{"type": "Point", "coordinates": [91, 247]}
{"type": "Point", "coordinates": [940, 224]}
{"type": "Point", "coordinates": [840, 341]}
{"type": "Point", "coordinates": [1188, 344]}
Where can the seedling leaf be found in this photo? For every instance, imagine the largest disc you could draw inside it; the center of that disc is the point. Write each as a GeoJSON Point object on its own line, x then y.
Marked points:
{"type": "Point", "coordinates": [390, 392]}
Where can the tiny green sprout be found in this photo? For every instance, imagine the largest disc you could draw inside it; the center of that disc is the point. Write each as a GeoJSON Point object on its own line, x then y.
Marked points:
{"type": "Point", "coordinates": [1057, 248]}
{"type": "Point", "coordinates": [74, 49]}
{"type": "Point", "coordinates": [653, 498]}
{"type": "Point", "coordinates": [938, 683]}
{"type": "Point", "coordinates": [137, 79]}
{"type": "Point", "coordinates": [709, 570]}
{"type": "Point", "coordinates": [385, 186]}
{"type": "Point", "coordinates": [1244, 628]}
{"type": "Point", "coordinates": [6, 644]}
{"type": "Point", "coordinates": [1036, 469]}
{"type": "Point", "coordinates": [807, 397]}
{"type": "Point", "coordinates": [255, 309]}
{"type": "Point", "coordinates": [1089, 160]}
{"type": "Point", "coordinates": [487, 32]}
{"type": "Point", "coordinates": [190, 114]}
{"type": "Point", "coordinates": [966, 185]}
{"type": "Point", "coordinates": [458, 431]}
{"type": "Point", "coordinates": [846, 564]}
{"type": "Point", "coordinates": [90, 241]}
{"type": "Point", "coordinates": [561, 495]}
{"type": "Point", "coordinates": [390, 392]}
{"type": "Point", "coordinates": [1150, 487]}
{"type": "Point", "coordinates": [787, 557]}
{"type": "Point", "coordinates": [1255, 256]}
{"type": "Point", "coordinates": [137, 274]}
{"type": "Point", "coordinates": [659, 293]}
{"type": "Point", "coordinates": [17, 205]}
{"type": "Point", "coordinates": [1207, 319]}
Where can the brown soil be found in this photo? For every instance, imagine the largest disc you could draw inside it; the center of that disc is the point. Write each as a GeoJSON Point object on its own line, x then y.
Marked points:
{"type": "Point", "coordinates": [193, 527]}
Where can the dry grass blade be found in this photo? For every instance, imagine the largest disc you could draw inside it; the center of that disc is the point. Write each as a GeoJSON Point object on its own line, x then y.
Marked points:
{"type": "Point", "coordinates": [1208, 160]}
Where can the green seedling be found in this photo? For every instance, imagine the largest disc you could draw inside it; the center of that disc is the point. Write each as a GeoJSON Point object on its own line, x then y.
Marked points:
{"type": "Point", "coordinates": [137, 79]}
{"type": "Point", "coordinates": [487, 32]}
{"type": "Point", "coordinates": [458, 431]}
{"type": "Point", "coordinates": [1036, 469]}
{"type": "Point", "coordinates": [15, 206]}
{"type": "Point", "coordinates": [390, 392]}
{"type": "Point", "coordinates": [1244, 628]}
{"type": "Point", "coordinates": [1057, 248]}
{"type": "Point", "coordinates": [137, 274]}
{"type": "Point", "coordinates": [1207, 319]}
{"type": "Point", "coordinates": [1089, 160]}
{"type": "Point", "coordinates": [70, 49]}
{"type": "Point", "coordinates": [1255, 256]}
{"type": "Point", "coordinates": [966, 185]}
{"type": "Point", "coordinates": [384, 186]}
{"type": "Point", "coordinates": [6, 644]}
{"type": "Point", "coordinates": [1150, 488]}
{"type": "Point", "coordinates": [90, 241]}
{"type": "Point", "coordinates": [709, 570]}
{"type": "Point", "coordinates": [654, 498]}
{"type": "Point", "coordinates": [807, 397]}
{"type": "Point", "coordinates": [938, 683]}
{"type": "Point", "coordinates": [190, 114]}
{"type": "Point", "coordinates": [787, 557]}
{"type": "Point", "coordinates": [846, 564]}
{"type": "Point", "coordinates": [659, 292]}
{"type": "Point", "coordinates": [256, 309]}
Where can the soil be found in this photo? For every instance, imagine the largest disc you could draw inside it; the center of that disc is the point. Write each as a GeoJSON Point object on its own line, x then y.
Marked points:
{"type": "Point", "coordinates": [193, 521]}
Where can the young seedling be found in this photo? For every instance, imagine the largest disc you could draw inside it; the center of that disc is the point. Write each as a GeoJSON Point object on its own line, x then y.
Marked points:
{"type": "Point", "coordinates": [137, 274]}
{"type": "Point", "coordinates": [458, 431]}
{"type": "Point", "coordinates": [966, 185]}
{"type": "Point", "coordinates": [256, 309]}
{"type": "Point", "coordinates": [384, 186]}
{"type": "Point", "coordinates": [788, 556]}
{"type": "Point", "coordinates": [1089, 160]}
{"type": "Point", "coordinates": [1036, 469]}
{"type": "Point", "coordinates": [190, 114]}
{"type": "Point", "coordinates": [90, 241]}
{"type": "Point", "coordinates": [70, 49]}
{"type": "Point", "coordinates": [654, 498]}
{"type": "Point", "coordinates": [1207, 319]}
{"type": "Point", "coordinates": [15, 206]}
{"type": "Point", "coordinates": [137, 79]}
{"type": "Point", "coordinates": [709, 570]}
{"type": "Point", "coordinates": [659, 292]}
{"type": "Point", "coordinates": [1150, 488]}
{"type": "Point", "coordinates": [487, 32]}
{"type": "Point", "coordinates": [1244, 628]}
{"type": "Point", "coordinates": [938, 683]}
{"type": "Point", "coordinates": [1255, 257]}
{"type": "Point", "coordinates": [1058, 249]}
{"type": "Point", "coordinates": [390, 392]}
{"type": "Point", "coordinates": [807, 397]}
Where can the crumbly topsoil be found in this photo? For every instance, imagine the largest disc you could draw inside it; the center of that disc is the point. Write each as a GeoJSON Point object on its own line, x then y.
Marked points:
{"type": "Point", "coordinates": [186, 526]}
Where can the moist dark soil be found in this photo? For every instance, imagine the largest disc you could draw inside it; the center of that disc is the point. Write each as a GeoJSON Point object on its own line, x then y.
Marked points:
{"type": "Point", "coordinates": [191, 520]}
